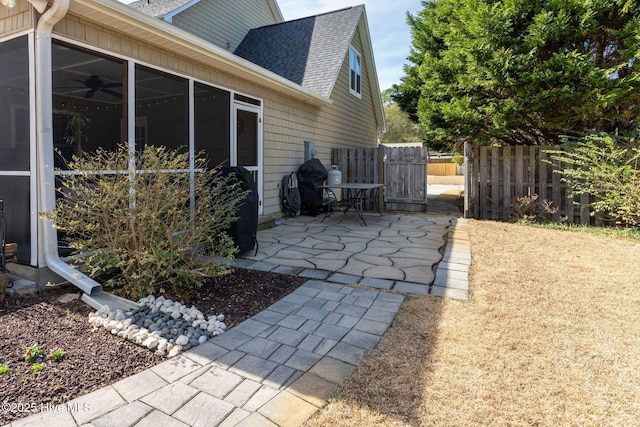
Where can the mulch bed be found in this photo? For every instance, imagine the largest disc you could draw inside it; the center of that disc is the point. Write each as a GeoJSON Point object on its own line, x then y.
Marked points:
{"type": "Point", "coordinates": [94, 358]}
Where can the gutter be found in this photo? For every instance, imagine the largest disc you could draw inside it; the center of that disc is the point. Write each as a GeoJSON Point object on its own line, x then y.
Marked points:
{"type": "Point", "coordinates": [44, 151]}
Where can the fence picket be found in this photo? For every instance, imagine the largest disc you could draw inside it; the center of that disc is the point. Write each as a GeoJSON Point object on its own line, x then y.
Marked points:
{"type": "Point", "coordinates": [532, 172]}
{"type": "Point", "coordinates": [569, 200]}
{"type": "Point", "coordinates": [543, 178]}
{"type": "Point", "coordinates": [585, 216]}
{"type": "Point", "coordinates": [506, 179]}
{"type": "Point", "coordinates": [484, 178]}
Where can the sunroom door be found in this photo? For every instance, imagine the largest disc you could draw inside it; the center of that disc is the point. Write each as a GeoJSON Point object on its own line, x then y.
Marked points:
{"type": "Point", "coordinates": [247, 143]}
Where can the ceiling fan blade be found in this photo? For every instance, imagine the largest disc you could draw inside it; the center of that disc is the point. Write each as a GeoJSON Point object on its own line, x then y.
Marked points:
{"type": "Point", "coordinates": [112, 93]}
{"type": "Point", "coordinates": [90, 93]}
{"type": "Point", "coordinates": [112, 85]}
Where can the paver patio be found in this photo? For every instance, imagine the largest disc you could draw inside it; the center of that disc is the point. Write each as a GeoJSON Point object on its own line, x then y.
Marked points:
{"type": "Point", "coordinates": [391, 250]}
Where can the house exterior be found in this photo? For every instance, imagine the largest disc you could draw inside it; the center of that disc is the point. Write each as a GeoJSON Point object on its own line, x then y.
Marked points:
{"type": "Point", "coordinates": [227, 77]}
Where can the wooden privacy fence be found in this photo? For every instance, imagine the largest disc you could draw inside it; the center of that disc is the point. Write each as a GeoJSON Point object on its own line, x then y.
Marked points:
{"type": "Point", "coordinates": [403, 170]}
{"type": "Point", "coordinates": [406, 178]}
{"type": "Point", "coordinates": [360, 165]}
{"type": "Point", "coordinates": [495, 177]}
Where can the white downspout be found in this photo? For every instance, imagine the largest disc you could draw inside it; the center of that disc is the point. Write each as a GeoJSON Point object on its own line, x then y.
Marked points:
{"type": "Point", "coordinates": [44, 152]}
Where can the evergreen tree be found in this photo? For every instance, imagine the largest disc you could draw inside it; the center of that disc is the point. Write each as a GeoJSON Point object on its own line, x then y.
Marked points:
{"type": "Point", "coordinates": [522, 71]}
{"type": "Point", "coordinates": [400, 128]}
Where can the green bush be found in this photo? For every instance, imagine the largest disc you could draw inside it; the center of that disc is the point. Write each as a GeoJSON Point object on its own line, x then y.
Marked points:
{"type": "Point", "coordinates": [140, 232]}
{"type": "Point", "coordinates": [608, 169]}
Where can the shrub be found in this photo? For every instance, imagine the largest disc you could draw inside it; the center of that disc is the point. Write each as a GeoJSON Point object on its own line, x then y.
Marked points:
{"type": "Point", "coordinates": [531, 208]}
{"type": "Point", "coordinates": [141, 232]}
{"type": "Point", "coordinates": [608, 169]}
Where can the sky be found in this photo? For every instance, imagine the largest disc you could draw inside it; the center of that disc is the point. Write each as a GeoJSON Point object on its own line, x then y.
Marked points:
{"type": "Point", "coordinates": [390, 34]}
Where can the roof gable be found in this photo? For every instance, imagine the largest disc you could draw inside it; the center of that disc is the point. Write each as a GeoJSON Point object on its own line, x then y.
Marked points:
{"type": "Point", "coordinates": [308, 51]}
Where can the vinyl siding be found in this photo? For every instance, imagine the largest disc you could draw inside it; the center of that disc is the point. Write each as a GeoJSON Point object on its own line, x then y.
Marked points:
{"type": "Point", "coordinates": [225, 22]}
{"type": "Point", "coordinates": [287, 122]}
{"type": "Point", "coordinates": [18, 18]}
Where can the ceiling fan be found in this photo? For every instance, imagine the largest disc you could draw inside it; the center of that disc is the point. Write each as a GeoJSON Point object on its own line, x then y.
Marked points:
{"type": "Point", "coordinates": [94, 84]}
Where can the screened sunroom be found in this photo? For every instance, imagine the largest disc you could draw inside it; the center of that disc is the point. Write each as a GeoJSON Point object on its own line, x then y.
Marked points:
{"type": "Point", "coordinates": [101, 100]}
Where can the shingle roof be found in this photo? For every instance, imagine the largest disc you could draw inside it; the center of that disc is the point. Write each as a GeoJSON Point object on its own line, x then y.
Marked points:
{"type": "Point", "coordinates": [158, 8]}
{"type": "Point", "coordinates": [308, 51]}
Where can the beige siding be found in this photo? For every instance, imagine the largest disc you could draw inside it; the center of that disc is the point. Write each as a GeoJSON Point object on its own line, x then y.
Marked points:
{"type": "Point", "coordinates": [225, 22]}
{"type": "Point", "coordinates": [347, 122]}
{"type": "Point", "coordinates": [18, 18]}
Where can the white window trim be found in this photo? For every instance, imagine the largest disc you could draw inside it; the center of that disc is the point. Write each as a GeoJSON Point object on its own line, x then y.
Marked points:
{"type": "Point", "coordinates": [359, 74]}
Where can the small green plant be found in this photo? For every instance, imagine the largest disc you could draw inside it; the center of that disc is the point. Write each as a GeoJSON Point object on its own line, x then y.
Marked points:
{"type": "Point", "coordinates": [37, 367]}
{"type": "Point", "coordinates": [33, 353]}
{"type": "Point", "coordinates": [77, 123]}
{"type": "Point", "coordinates": [4, 368]}
{"type": "Point", "coordinates": [56, 352]}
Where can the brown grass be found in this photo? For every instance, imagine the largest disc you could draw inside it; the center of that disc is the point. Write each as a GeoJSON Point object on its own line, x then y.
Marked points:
{"type": "Point", "coordinates": [550, 337]}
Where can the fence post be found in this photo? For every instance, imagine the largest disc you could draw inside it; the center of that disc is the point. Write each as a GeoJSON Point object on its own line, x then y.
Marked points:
{"type": "Point", "coordinates": [382, 179]}
{"type": "Point", "coordinates": [468, 212]}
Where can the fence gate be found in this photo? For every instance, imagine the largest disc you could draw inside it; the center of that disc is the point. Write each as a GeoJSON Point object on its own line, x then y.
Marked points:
{"type": "Point", "coordinates": [406, 178]}
{"type": "Point", "coordinates": [403, 170]}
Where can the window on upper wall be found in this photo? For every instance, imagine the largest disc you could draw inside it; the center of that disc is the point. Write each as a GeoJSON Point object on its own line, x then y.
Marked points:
{"type": "Point", "coordinates": [355, 72]}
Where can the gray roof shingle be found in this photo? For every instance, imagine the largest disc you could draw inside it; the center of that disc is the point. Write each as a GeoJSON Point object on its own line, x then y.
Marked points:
{"type": "Point", "coordinates": [157, 8]}
{"type": "Point", "coordinates": [308, 51]}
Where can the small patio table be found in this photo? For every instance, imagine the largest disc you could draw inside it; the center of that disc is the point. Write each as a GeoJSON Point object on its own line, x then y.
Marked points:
{"type": "Point", "coordinates": [354, 196]}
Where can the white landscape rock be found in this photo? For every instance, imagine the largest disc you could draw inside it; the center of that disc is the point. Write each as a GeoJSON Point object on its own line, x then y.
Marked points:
{"type": "Point", "coordinates": [150, 343]}
{"type": "Point", "coordinates": [160, 335]}
{"type": "Point", "coordinates": [182, 340]}
{"type": "Point", "coordinates": [175, 351]}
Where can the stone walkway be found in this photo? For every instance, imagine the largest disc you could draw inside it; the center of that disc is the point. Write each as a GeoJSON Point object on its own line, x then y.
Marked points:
{"type": "Point", "coordinates": [280, 366]}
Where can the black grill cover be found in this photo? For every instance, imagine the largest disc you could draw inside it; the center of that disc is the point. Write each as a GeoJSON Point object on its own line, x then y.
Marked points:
{"type": "Point", "coordinates": [244, 231]}
{"type": "Point", "coordinates": [311, 175]}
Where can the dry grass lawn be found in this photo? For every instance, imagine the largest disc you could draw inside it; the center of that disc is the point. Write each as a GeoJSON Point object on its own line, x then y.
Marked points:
{"type": "Point", "coordinates": [550, 337]}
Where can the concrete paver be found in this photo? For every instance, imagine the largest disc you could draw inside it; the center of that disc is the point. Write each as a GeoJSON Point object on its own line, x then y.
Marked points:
{"type": "Point", "coordinates": [127, 415]}
{"type": "Point", "coordinates": [138, 385]}
{"type": "Point", "coordinates": [287, 410]}
{"type": "Point", "coordinates": [170, 398]}
{"type": "Point", "coordinates": [158, 418]}
{"type": "Point", "coordinates": [203, 410]}
{"type": "Point", "coordinates": [94, 405]}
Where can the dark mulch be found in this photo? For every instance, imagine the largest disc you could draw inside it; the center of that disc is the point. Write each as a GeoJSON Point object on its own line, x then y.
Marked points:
{"type": "Point", "coordinates": [95, 358]}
